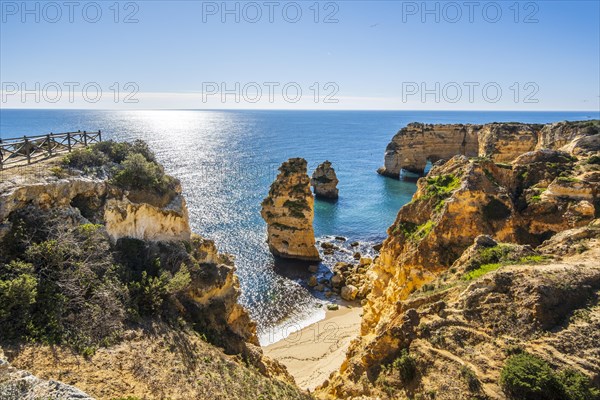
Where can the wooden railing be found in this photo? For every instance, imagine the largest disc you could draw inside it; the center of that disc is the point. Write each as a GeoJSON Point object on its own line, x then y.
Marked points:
{"type": "Point", "coordinates": [28, 149]}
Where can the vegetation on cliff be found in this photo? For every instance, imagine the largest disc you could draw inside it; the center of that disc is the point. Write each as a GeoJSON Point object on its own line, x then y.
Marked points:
{"type": "Point", "coordinates": [73, 278]}
{"type": "Point", "coordinates": [65, 282]}
{"type": "Point", "coordinates": [459, 303]}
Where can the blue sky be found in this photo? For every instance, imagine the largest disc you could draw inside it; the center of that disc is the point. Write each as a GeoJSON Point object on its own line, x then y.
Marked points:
{"type": "Point", "coordinates": [368, 55]}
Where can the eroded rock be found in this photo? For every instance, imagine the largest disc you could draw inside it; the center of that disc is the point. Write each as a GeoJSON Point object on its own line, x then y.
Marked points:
{"type": "Point", "coordinates": [288, 211]}
{"type": "Point", "coordinates": [324, 181]}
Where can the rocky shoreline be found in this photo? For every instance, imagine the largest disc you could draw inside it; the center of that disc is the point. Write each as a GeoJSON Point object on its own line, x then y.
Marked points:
{"type": "Point", "coordinates": [493, 262]}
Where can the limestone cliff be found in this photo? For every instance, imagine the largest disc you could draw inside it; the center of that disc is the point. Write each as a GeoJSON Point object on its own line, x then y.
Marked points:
{"type": "Point", "coordinates": [417, 143]}
{"type": "Point", "coordinates": [126, 213]}
{"type": "Point", "coordinates": [100, 245]}
{"type": "Point", "coordinates": [288, 211]}
{"type": "Point", "coordinates": [455, 336]}
{"type": "Point", "coordinates": [539, 194]}
{"type": "Point", "coordinates": [324, 181]}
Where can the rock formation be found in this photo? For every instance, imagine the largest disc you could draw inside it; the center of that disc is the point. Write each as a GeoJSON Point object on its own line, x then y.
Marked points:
{"type": "Point", "coordinates": [417, 143]}
{"type": "Point", "coordinates": [126, 213]}
{"type": "Point", "coordinates": [435, 244]}
{"type": "Point", "coordinates": [460, 331]}
{"type": "Point", "coordinates": [17, 384]}
{"type": "Point", "coordinates": [288, 211]}
{"type": "Point", "coordinates": [324, 181]}
{"type": "Point", "coordinates": [121, 257]}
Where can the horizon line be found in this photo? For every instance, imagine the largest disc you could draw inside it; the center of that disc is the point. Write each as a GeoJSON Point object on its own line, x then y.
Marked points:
{"type": "Point", "coordinates": [293, 109]}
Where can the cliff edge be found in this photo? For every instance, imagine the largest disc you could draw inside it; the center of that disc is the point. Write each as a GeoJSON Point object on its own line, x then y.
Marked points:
{"type": "Point", "coordinates": [416, 144]}
{"type": "Point", "coordinates": [103, 281]}
{"type": "Point", "coordinates": [489, 266]}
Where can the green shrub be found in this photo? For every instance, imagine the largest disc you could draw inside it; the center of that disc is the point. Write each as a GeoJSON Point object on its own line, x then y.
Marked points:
{"type": "Point", "coordinates": [18, 293]}
{"type": "Point", "coordinates": [64, 286]}
{"type": "Point", "coordinates": [412, 231]}
{"type": "Point", "coordinates": [117, 152]}
{"type": "Point", "coordinates": [136, 172]}
{"type": "Point", "coordinates": [577, 386]}
{"type": "Point", "coordinates": [527, 377]}
{"type": "Point", "coordinates": [85, 158]}
{"type": "Point", "coordinates": [180, 281]}
{"type": "Point", "coordinates": [107, 152]}
{"type": "Point", "coordinates": [491, 258]}
{"type": "Point", "coordinates": [406, 366]}
{"type": "Point", "coordinates": [151, 291]}
{"type": "Point", "coordinates": [593, 160]}
{"type": "Point", "coordinates": [471, 378]}
{"type": "Point", "coordinates": [441, 186]}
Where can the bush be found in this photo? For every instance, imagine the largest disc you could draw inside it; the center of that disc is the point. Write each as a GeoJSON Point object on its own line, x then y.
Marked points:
{"type": "Point", "coordinates": [18, 293]}
{"type": "Point", "coordinates": [117, 152]}
{"type": "Point", "coordinates": [406, 366]}
{"type": "Point", "coordinates": [85, 158]}
{"type": "Point", "coordinates": [441, 186]}
{"type": "Point", "coordinates": [526, 376]}
{"type": "Point", "coordinates": [64, 287]}
{"type": "Point", "coordinates": [577, 386]}
{"type": "Point", "coordinates": [469, 376]}
{"type": "Point", "coordinates": [136, 172]}
{"type": "Point", "coordinates": [107, 152]}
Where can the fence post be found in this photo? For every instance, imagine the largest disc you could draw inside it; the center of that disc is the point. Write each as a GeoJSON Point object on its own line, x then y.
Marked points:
{"type": "Point", "coordinates": [1, 156]}
{"type": "Point", "coordinates": [49, 143]}
{"type": "Point", "coordinates": [99, 135]}
{"type": "Point", "coordinates": [27, 149]}
{"type": "Point", "coordinates": [84, 138]}
{"type": "Point", "coordinates": [69, 141]}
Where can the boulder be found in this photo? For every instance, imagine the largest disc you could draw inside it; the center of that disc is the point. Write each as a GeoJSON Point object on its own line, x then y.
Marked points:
{"type": "Point", "coordinates": [324, 181]}
{"type": "Point", "coordinates": [349, 292]}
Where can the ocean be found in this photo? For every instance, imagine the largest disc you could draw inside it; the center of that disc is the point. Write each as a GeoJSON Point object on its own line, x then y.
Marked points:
{"type": "Point", "coordinates": [226, 161]}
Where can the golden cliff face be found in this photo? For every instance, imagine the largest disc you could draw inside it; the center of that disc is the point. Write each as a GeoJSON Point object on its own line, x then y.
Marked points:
{"type": "Point", "coordinates": [417, 143]}
{"type": "Point", "coordinates": [153, 217]}
{"type": "Point", "coordinates": [124, 218]}
{"type": "Point", "coordinates": [413, 146]}
{"type": "Point", "coordinates": [288, 211]}
{"type": "Point", "coordinates": [542, 193]}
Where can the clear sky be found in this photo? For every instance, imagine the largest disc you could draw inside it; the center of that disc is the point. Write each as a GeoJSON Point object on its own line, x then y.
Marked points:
{"type": "Point", "coordinates": [468, 55]}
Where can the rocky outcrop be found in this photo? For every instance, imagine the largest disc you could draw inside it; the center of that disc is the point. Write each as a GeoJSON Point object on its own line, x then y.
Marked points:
{"type": "Point", "coordinates": [165, 273]}
{"type": "Point", "coordinates": [430, 248]}
{"type": "Point", "coordinates": [413, 146]}
{"type": "Point", "coordinates": [124, 218]}
{"type": "Point", "coordinates": [459, 331]}
{"type": "Point", "coordinates": [324, 181]}
{"type": "Point", "coordinates": [126, 213]}
{"type": "Point", "coordinates": [17, 384]}
{"type": "Point", "coordinates": [417, 143]}
{"type": "Point", "coordinates": [288, 211]}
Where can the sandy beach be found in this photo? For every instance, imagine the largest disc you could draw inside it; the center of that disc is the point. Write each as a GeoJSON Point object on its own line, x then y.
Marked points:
{"type": "Point", "coordinates": [312, 353]}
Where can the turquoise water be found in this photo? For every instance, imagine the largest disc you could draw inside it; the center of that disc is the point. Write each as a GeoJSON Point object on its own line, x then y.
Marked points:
{"type": "Point", "coordinates": [226, 161]}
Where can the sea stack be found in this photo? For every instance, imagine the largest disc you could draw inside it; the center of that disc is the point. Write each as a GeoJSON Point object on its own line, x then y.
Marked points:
{"type": "Point", "coordinates": [324, 181]}
{"type": "Point", "coordinates": [288, 211]}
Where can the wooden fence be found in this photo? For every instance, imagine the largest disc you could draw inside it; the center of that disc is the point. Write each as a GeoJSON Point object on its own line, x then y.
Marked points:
{"type": "Point", "coordinates": [18, 151]}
